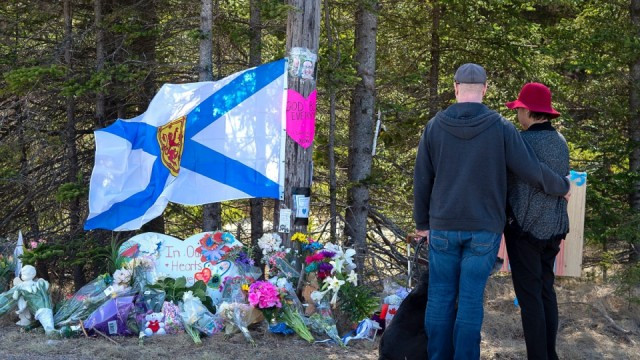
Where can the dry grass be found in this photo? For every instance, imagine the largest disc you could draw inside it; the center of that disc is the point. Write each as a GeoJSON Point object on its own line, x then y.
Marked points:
{"type": "Point", "coordinates": [584, 333]}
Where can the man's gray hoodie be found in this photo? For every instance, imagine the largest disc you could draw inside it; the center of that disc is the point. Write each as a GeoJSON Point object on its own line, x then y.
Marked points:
{"type": "Point", "coordinates": [460, 178]}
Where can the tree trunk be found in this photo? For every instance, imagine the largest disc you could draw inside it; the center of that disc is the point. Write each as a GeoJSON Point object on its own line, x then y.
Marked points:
{"type": "Point", "coordinates": [634, 124]}
{"type": "Point", "coordinates": [206, 44]}
{"type": "Point", "coordinates": [434, 61]}
{"type": "Point", "coordinates": [361, 124]}
{"type": "Point", "coordinates": [100, 59]}
{"type": "Point", "coordinates": [255, 58]}
{"type": "Point", "coordinates": [333, 212]}
{"type": "Point", "coordinates": [71, 152]}
{"type": "Point", "coordinates": [303, 31]}
{"type": "Point", "coordinates": [145, 46]}
{"type": "Point", "coordinates": [212, 213]}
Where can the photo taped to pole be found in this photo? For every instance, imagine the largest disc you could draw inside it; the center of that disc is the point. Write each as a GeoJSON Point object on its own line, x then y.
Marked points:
{"type": "Point", "coordinates": [301, 201]}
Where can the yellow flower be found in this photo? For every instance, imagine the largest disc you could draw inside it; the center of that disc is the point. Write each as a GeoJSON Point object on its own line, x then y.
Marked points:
{"type": "Point", "coordinates": [245, 287]}
{"type": "Point", "coordinates": [300, 237]}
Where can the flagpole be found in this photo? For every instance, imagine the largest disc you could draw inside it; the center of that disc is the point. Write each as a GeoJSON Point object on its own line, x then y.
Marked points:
{"type": "Point", "coordinates": [283, 133]}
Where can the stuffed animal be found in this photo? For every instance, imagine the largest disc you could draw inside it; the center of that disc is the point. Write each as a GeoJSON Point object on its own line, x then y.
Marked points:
{"type": "Point", "coordinates": [154, 325]}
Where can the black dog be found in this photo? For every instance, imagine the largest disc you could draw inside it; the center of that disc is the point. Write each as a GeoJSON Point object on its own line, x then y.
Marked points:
{"type": "Point", "coordinates": [405, 338]}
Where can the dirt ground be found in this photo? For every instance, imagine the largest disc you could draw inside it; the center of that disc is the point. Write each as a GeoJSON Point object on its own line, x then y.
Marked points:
{"type": "Point", "coordinates": [594, 324]}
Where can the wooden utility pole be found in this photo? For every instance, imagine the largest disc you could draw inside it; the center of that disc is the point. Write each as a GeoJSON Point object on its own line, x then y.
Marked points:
{"type": "Point", "coordinates": [303, 33]}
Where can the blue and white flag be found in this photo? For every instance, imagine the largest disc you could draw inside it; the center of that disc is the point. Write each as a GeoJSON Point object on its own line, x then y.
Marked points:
{"type": "Point", "coordinates": [197, 143]}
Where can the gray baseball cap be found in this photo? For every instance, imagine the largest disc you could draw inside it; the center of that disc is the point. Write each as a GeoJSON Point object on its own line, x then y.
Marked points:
{"type": "Point", "coordinates": [470, 74]}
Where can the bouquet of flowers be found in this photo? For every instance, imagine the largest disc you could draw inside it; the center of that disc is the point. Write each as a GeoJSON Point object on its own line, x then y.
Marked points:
{"type": "Point", "coordinates": [239, 316]}
{"type": "Point", "coordinates": [277, 300]}
{"type": "Point", "coordinates": [277, 257]}
{"type": "Point", "coordinates": [111, 318]}
{"type": "Point", "coordinates": [172, 320]}
{"type": "Point", "coordinates": [266, 297]}
{"type": "Point", "coordinates": [196, 317]}
{"type": "Point", "coordinates": [334, 268]}
{"type": "Point", "coordinates": [322, 322]}
{"type": "Point", "coordinates": [7, 302]}
{"type": "Point", "coordinates": [86, 300]}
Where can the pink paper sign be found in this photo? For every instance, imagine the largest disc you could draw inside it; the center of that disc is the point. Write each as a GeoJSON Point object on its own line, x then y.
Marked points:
{"type": "Point", "coordinates": [301, 117]}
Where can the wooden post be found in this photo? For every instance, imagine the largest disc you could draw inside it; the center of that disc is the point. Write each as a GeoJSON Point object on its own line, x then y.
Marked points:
{"type": "Point", "coordinates": [303, 32]}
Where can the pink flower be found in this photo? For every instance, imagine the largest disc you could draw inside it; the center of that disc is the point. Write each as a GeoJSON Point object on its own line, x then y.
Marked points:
{"type": "Point", "coordinates": [263, 295]}
{"type": "Point", "coordinates": [314, 258]}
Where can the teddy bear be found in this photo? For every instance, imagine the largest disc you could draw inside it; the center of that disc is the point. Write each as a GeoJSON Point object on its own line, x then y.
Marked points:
{"type": "Point", "coordinates": [154, 324]}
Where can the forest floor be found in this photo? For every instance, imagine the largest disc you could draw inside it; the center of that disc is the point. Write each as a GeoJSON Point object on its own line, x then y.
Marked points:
{"type": "Point", "coordinates": [593, 322]}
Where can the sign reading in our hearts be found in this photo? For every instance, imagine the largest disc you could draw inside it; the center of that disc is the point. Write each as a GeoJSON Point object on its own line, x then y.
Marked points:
{"type": "Point", "coordinates": [301, 117]}
{"type": "Point", "coordinates": [199, 257]}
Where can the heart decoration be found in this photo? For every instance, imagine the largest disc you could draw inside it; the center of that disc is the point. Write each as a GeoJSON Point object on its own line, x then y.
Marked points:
{"type": "Point", "coordinates": [301, 117]}
{"type": "Point", "coordinates": [204, 275]}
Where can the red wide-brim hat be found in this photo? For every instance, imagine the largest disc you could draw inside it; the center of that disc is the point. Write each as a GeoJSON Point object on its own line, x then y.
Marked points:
{"type": "Point", "coordinates": [534, 97]}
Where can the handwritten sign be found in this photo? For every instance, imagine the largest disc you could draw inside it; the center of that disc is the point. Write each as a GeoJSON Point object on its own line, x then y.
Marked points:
{"type": "Point", "coordinates": [301, 117]}
{"type": "Point", "coordinates": [199, 257]}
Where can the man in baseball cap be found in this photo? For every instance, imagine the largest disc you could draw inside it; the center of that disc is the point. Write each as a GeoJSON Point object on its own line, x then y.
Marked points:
{"type": "Point", "coordinates": [460, 195]}
{"type": "Point", "coordinates": [536, 224]}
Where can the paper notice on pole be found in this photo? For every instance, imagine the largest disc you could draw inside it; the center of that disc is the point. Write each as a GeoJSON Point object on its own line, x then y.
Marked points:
{"type": "Point", "coordinates": [284, 225]}
{"type": "Point", "coordinates": [302, 206]}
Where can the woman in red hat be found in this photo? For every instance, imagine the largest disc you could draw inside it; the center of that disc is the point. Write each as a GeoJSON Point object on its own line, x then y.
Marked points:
{"type": "Point", "coordinates": [537, 223]}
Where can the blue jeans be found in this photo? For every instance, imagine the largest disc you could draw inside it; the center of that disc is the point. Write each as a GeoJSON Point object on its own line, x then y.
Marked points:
{"type": "Point", "coordinates": [460, 263]}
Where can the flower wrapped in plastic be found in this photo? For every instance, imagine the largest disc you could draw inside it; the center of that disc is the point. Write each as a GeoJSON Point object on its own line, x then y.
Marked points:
{"type": "Point", "coordinates": [292, 310]}
{"type": "Point", "coordinates": [7, 302]}
{"type": "Point", "coordinates": [322, 323]}
{"type": "Point", "coordinates": [86, 300]}
{"type": "Point", "coordinates": [196, 318]}
{"type": "Point", "coordinates": [111, 317]}
{"type": "Point", "coordinates": [172, 320]}
{"type": "Point", "coordinates": [266, 297]}
{"type": "Point", "coordinates": [238, 317]}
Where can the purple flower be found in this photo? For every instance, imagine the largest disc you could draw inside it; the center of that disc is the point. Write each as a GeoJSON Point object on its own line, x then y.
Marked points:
{"type": "Point", "coordinates": [325, 267]}
{"type": "Point", "coordinates": [327, 253]}
{"type": "Point", "coordinates": [243, 258]}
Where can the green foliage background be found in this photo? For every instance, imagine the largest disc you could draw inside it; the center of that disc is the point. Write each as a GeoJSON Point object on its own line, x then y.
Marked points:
{"type": "Point", "coordinates": [582, 49]}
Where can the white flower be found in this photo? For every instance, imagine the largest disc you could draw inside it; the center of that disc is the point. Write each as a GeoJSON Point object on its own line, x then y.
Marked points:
{"type": "Point", "coordinates": [348, 258]}
{"type": "Point", "coordinates": [317, 296]}
{"type": "Point", "coordinates": [353, 278]}
{"type": "Point", "coordinates": [160, 276]}
{"type": "Point", "coordinates": [122, 277]}
{"type": "Point", "coordinates": [337, 263]}
{"type": "Point", "coordinates": [282, 283]}
{"type": "Point", "coordinates": [333, 283]}
{"type": "Point", "coordinates": [343, 260]}
{"type": "Point", "coordinates": [187, 296]}
{"type": "Point", "coordinates": [269, 242]}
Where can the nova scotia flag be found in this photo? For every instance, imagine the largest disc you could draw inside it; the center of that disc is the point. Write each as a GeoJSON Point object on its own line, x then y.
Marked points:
{"type": "Point", "coordinates": [197, 143]}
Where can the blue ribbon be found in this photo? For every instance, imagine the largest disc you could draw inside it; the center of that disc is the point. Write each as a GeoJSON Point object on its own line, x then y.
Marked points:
{"type": "Point", "coordinates": [580, 178]}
